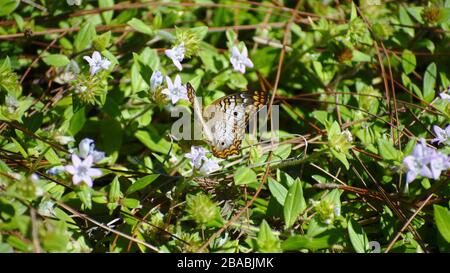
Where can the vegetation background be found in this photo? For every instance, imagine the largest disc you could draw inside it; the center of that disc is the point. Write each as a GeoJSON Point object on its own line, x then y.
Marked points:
{"type": "Point", "coordinates": [359, 82]}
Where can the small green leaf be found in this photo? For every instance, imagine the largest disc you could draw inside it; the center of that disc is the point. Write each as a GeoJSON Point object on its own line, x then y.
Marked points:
{"type": "Point", "coordinates": [153, 140]}
{"type": "Point", "coordinates": [294, 204]}
{"type": "Point", "coordinates": [140, 26]}
{"type": "Point", "coordinates": [429, 82]}
{"type": "Point", "coordinates": [267, 241]}
{"type": "Point", "coordinates": [408, 61]}
{"type": "Point", "coordinates": [77, 121]}
{"type": "Point", "coordinates": [442, 218]}
{"type": "Point", "coordinates": [114, 191]}
{"type": "Point", "coordinates": [277, 190]}
{"type": "Point", "coordinates": [84, 37]}
{"type": "Point", "coordinates": [243, 176]}
{"type": "Point", "coordinates": [387, 150]}
{"type": "Point", "coordinates": [358, 237]}
{"type": "Point", "coordinates": [142, 183]}
{"type": "Point", "coordinates": [8, 6]}
{"type": "Point", "coordinates": [298, 242]}
{"type": "Point", "coordinates": [85, 195]}
{"type": "Point", "coordinates": [57, 60]}
{"type": "Point", "coordinates": [131, 203]}
{"type": "Point", "coordinates": [107, 15]}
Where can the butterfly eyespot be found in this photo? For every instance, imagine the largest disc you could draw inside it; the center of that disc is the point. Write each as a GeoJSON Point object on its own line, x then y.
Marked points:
{"type": "Point", "coordinates": [235, 113]}
{"type": "Point", "coordinates": [223, 143]}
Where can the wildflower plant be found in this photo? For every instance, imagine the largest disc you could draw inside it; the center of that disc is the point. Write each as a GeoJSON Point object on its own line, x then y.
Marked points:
{"type": "Point", "coordinates": [358, 93]}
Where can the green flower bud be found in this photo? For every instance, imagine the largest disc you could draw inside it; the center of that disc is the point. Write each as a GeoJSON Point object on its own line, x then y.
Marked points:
{"type": "Point", "coordinates": [202, 210]}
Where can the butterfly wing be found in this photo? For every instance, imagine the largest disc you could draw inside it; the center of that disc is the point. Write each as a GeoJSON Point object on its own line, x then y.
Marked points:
{"type": "Point", "coordinates": [227, 119]}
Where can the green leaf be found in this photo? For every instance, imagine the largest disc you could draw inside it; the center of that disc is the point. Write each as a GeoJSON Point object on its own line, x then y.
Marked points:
{"type": "Point", "coordinates": [429, 82]}
{"type": "Point", "coordinates": [277, 190]}
{"type": "Point", "coordinates": [57, 60]}
{"type": "Point", "coordinates": [353, 14]}
{"type": "Point", "coordinates": [442, 218]}
{"type": "Point", "coordinates": [85, 36]}
{"type": "Point", "coordinates": [77, 121]}
{"type": "Point", "coordinates": [298, 242]}
{"type": "Point", "coordinates": [140, 26]}
{"type": "Point", "coordinates": [107, 15]}
{"type": "Point", "coordinates": [114, 191]}
{"type": "Point", "coordinates": [358, 237]}
{"type": "Point", "coordinates": [85, 195]}
{"type": "Point", "coordinates": [131, 203]}
{"type": "Point", "coordinates": [387, 150]}
{"type": "Point", "coordinates": [267, 241]}
{"type": "Point", "coordinates": [243, 176]}
{"type": "Point", "coordinates": [408, 61]}
{"type": "Point", "coordinates": [153, 140]}
{"type": "Point", "coordinates": [142, 183]}
{"type": "Point", "coordinates": [52, 157]}
{"type": "Point", "coordinates": [8, 6]}
{"type": "Point", "coordinates": [294, 204]}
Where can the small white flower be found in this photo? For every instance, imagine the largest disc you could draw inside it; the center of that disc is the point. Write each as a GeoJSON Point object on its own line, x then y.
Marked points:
{"type": "Point", "coordinates": [87, 148]}
{"type": "Point", "coordinates": [74, 2]}
{"type": "Point", "coordinates": [80, 88]}
{"type": "Point", "coordinates": [240, 60]}
{"type": "Point", "coordinates": [176, 54]}
{"type": "Point", "coordinates": [442, 135]}
{"type": "Point", "coordinates": [82, 171]}
{"type": "Point", "coordinates": [445, 96]}
{"type": "Point", "coordinates": [64, 140]}
{"type": "Point", "coordinates": [175, 91]}
{"type": "Point", "coordinates": [56, 170]}
{"type": "Point", "coordinates": [196, 156]}
{"type": "Point", "coordinates": [69, 73]}
{"type": "Point", "coordinates": [84, 147]}
{"type": "Point", "coordinates": [337, 211]}
{"type": "Point", "coordinates": [200, 162]}
{"type": "Point", "coordinates": [156, 79]}
{"type": "Point", "coordinates": [97, 63]}
{"type": "Point", "coordinates": [11, 103]}
{"type": "Point", "coordinates": [209, 166]}
{"type": "Point", "coordinates": [348, 135]}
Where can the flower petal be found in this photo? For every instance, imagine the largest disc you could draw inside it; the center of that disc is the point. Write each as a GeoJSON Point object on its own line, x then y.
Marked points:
{"type": "Point", "coordinates": [70, 169]}
{"type": "Point", "coordinates": [76, 179]}
{"type": "Point", "coordinates": [92, 172]}
{"type": "Point", "coordinates": [76, 160]}
{"type": "Point", "coordinates": [96, 56]}
{"type": "Point", "coordinates": [88, 161]}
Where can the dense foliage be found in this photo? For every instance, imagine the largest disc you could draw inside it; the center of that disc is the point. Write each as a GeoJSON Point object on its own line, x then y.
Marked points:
{"type": "Point", "coordinates": [88, 91]}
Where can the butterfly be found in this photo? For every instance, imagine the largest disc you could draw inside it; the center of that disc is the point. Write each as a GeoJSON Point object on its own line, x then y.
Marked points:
{"type": "Point", "coordinates": [224, 121]}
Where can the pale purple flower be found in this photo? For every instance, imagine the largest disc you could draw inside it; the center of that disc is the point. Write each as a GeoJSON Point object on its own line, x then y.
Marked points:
{"type": "Point", "coordinates": [445, 96]}
{"type": "Point", "coordinates": [175, 91]}
{"type": "Point", "coordinates": [442, 135]}
{"type": "Point", "coordinates": [56, 170]}
{"type": "Point", "coordinates": [426, 162]}
{"type": "Point", "coordinates": [82, 171]}
{"type": "Point", "coordinates": [87, 148]}
{"type": "Point", "coordinates": [97, 63]}
{"type": "Point", "coordinates": [176, 54]}
{"type": "Point", "coordinates": [156, 79]}
{"type": "Point", "coordinates": [74, 2]}
{"type": "Point", "coordinates": [438, 164]}
{"type": "Point", "coordinates": [209, 166]}
{"type": "Point", "coordinates": [197, 155]}
{"type": "Point", "coordinates": [199, 161]}
{"type": "Point", "coordinates": [64, 139]}
{"type": "Point", "coordinates": [240, 60]}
